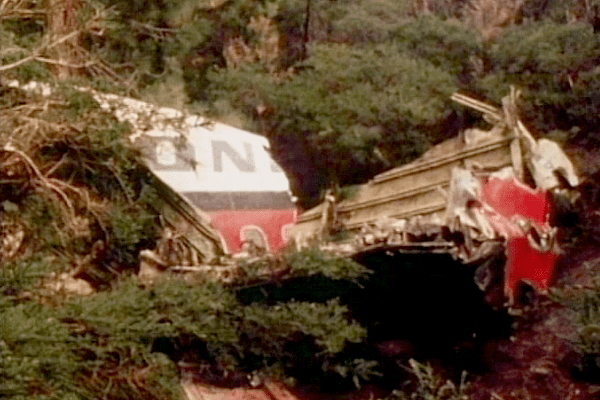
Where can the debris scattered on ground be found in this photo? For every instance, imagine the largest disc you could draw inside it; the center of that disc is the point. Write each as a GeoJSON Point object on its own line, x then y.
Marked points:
{"type": "Point", "coordinates": [67, 285]}
{"type": "Point", "coordinates": [267, 391]}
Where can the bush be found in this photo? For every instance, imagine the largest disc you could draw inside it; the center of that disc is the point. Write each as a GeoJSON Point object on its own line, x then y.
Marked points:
{"type": "Point", "coordinates": [448, 44]}
{"type": "Point", "coordinates": [347, 114]}
{"type": "Point", "coordinates": [217, 329]}
{"type": "Point", "coordinates": [48, 356]}
{"type": "Point", "coordinates": [75, 180]}
{"type": "Point", "coordinates": [122, 336]}
{"type": "Point", "coordinates": [313, 261]}
{"type": "Point", "coordinates": [429, 386]}
{"type": "Point", "coordinates": [583, 311]}
{"type": "Point", "coordinates": [553, 65]}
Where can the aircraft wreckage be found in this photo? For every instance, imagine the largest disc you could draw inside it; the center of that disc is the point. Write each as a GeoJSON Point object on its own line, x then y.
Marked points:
{"type": "Point", "coordinates": [484, 198]}
{"type": "Point", "coordinates": [481, 197]}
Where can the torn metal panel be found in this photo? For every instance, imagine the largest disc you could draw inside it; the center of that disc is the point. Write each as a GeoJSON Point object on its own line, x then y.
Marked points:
{"type": "Point", "coordinates": [521, 216]}
{"type": "Point", "coordinates": [465, 197]}
{"type": "Point", "coordinates": [268, 391]}
{"type": "Point", "coordinates": [512, 198]}
{"type": "Point", "coordinates": [527, 264]}
{"type": "Point", "coordinates": [413, 189]}
{"type": "Point", "coordinates": [485, 212]}
{"type": "Point", "coordinates": [201, 239]}
{"type": "Point", "coordinates": [549, 163]}
{"type": "Point", "coordinates": [226, 172]}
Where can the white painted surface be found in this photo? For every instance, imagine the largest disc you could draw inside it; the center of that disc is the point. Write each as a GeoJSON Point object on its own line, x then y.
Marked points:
{"type": "Point", "coordinates": [189, 152]}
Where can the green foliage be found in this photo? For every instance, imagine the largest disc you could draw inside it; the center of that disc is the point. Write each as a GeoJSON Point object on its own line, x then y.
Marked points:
{"type": "Point", "coordinates": [430, 386]}
{"type": "Point", "coordinates": [360, 370]}
{"type": "Point", "coordinates": [559, 11]}
{"type": "Point", "coordinates": [237, 337]}
{"type": "Point", "coordinates": [35, 357]}
{"type": "Point", "coordinates": [169, 309]}
{"type": "Point", "coordinates": [76, 349]}
{"type": "Point", "coordinates": [95, 188]}
{"type": "Point", "coordinates": [308, 263]}
{"type": "Point", "coordinates": [132, 228]}
{"type": "Point", "coordinates": [42, 219]}
{"type": "Point", "coordinates": [349, 113]}
{"type": "Point", "coordinates": [448, 44]}
{"type": "Point", "coordinates": [545, 50]}
{"type": "Point", "coordinates": [326, 323]}
{"type": "Point", "coordinates": [555, 66]}
{"type": "Point", "coordinates": [356, 21]}
{"type": "Point", "coordinates": [138, 41]}
{"type": "Point", "coordinates": [79, 102]}
{"type": "Point", "coordinates": [584, 315]}
{"type": "Point", "coordinates": [19, 38]}
{"type": "Point", "coordinates": [91, 190]}
{"type": "Point", "coordinates": [313, 261]}
{"type": "Point", "coordinates": [24, 275]}
{"type": "Point", "coordinates": [45, 356]}
{"type": "Point", "coordinates": [157, 40]}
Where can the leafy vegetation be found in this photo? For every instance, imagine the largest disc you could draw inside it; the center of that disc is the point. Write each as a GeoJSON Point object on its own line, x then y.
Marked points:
{"type": "Point", "coordinates": [557, 77]}
{"type": "Point", "coordinates": [123, 336]}
{"type": "Point", "coordinates": [343, 90]}
{"type": "Point", "coordinates": [430, 386]}
{"type": "Point", "coordinates": [73, 182]}
{"type": "Point", "coordinates": [47, 355]}
{"type": "Point", "coordinates": [583, 305]}
{"type": "Point", "coordinates": [312, 261]}
{"type": "Point", "coordinates": [344, 108]}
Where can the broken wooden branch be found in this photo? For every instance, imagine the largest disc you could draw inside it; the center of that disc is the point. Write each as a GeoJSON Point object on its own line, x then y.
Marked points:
{"type": "Point", "coordinates": [46, 182]}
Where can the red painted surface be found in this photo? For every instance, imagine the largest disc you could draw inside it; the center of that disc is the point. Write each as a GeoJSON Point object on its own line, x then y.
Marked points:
{"type": "Point", "coordinates": [526, 264]}
{"type": "Point", "coordinates": [272, 224]}
{"type": "Point", "coordinates": [509, 197]}
{"type": "Point", "coordinates": [506, 200]}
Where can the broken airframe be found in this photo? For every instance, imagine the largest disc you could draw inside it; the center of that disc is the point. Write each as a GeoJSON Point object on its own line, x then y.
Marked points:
{"type": "Point", "coordinates": [476, 197]}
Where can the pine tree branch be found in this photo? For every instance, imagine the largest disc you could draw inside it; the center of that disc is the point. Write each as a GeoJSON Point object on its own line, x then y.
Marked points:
{"type": "Point", "coordinates": [37, 52]}
{"type": "Point", "coordinates": [46, 182]}
{"type": "Point", "coordinates": [64, 64]}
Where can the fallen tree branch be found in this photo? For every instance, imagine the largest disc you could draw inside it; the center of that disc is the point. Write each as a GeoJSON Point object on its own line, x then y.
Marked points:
{"type": "Point", "coordinates": [10, 148]}
{"type": "Point", "coordinates": [64, 64]}
{"type": "Point", "coordinates": [36, 53]}
{"type": "Point", "coordinates": [22, 14]}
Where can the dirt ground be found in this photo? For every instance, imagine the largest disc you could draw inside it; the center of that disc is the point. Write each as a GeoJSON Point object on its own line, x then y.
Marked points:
{"type": "Point", "coordinates": [538, 361]}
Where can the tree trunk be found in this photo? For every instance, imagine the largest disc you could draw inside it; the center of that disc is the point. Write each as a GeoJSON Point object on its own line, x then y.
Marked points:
{"type": "Point", "coordinates": [305, 39]}
{"type": "Point", "coordinates": [63, 19]}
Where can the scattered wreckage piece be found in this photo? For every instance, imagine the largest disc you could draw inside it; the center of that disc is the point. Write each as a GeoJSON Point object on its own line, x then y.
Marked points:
{"type": "Point", "coordinates": [66, 285]}
{"type": "Point", "coordinates": [200, 242]}
{"type": "Point", "coordinates": [12, 233]}
{"type": "Point", "coordinates": [465, 197]}
{"type": "Point", "coordinates": [199, 164]}
{"type": "Point", "coordinates": [240, 272]}
{"type": "Point", "coordinates": [226, 172]}
{"type": "Point", "coordinates": [267, 391]}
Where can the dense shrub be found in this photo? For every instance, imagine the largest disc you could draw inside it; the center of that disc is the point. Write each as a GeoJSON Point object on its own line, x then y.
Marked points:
{"type": "Point", "coordinates": [556, 68]}
{"type": "Point", "coordinates": [346, 115]}
{"type": "Point", "coordinates": [583, 311]}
